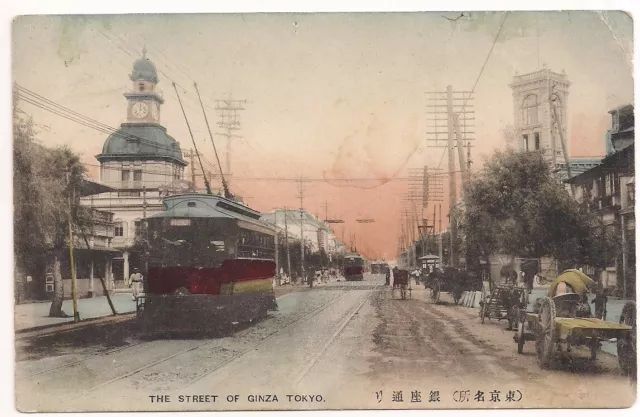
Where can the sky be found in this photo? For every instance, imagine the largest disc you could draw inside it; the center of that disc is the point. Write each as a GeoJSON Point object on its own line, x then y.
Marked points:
{"type": "Point", "coordinates": [329, 96]}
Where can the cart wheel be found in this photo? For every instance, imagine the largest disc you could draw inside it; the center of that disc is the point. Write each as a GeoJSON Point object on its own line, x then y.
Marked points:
{"type": "Point", "coordinates": [627, 345]}
{"type": "Point", "coordinates": [547, 335]}
{"type": "Point", "coordinates": [520, 337]}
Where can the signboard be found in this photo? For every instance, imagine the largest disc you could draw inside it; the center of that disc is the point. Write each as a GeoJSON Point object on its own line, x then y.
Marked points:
{"type": "Point", "coordinates": [180, 222]}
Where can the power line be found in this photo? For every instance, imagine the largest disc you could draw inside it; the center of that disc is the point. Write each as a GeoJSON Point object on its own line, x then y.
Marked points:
{"type": "Point", "coordinates": [71, 115]}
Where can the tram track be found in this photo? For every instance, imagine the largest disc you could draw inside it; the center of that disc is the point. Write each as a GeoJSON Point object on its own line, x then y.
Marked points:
{"type": "Point", "coordinates": [345, 321]}
{"type": "Point", "coordinates": [80, 361]}
{"type": "Point", "coordinates": [237, 356]}
{"type": "Point", "coordinates": [218, 367]}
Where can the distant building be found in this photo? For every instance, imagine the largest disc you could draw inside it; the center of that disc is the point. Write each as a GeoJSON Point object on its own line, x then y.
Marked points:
{"type": "Point", "coordinates": [535, 98]}
{"type": "Point", "coordinates": [317, 235]}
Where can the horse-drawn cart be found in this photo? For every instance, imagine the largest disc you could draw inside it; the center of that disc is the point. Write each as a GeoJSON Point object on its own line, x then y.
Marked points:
{"type": "Point", "coordinates": [556, 324]}
{"type": "Point", "coordinates": [401, 283]}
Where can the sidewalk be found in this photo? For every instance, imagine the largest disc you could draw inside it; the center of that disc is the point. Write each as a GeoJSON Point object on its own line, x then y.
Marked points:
{"type": "Point", "coordinates": [35, 315]}
{"type": "Point", "coordinates": [32, 315]}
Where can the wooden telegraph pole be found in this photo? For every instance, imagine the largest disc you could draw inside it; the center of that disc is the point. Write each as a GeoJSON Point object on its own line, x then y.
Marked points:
{"type": "Point", "coordinates": [72, 263]}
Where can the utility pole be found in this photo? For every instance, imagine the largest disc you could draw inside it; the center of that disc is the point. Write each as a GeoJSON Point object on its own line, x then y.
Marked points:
{"type": "Point", "coordinates": [192, 166]}
{"type": "Point", "coordinates": [556, 122]}
{"type": "Point", "coordinates": [229, 122]}
{"type": "Point", "coordinates": [456, 117]}
{"type": "Point", "coordinates": [452, 176]}
{"type": "Point", "coordinates": [277, 252]}
{"type": "Point", "coordinates": [72, 262]}
{"type": "Point", "coordinates": [440, 251]}
{"type": "Point", "coordinates": [286, 238]}
{"type": "Point", "coordinates": [143, 223]}
{"type": "Point", "coordinates": [301, 228]}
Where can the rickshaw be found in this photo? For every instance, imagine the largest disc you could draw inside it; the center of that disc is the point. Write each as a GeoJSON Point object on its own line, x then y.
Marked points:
{"type": "Point", "coordinates": [504, 300]}
{"type": "Point", "coordinates": [451, 280]}
{"type": "Point", "coordinates": [561, 319]}
{"type": "Point", "coordinates": [429, 265]}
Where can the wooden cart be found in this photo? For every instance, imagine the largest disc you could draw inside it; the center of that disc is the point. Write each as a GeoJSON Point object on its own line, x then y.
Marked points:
{"type": "Point", "coordinates": [401, 283]}
{"type": "Point", "coordinates": [551, 332]}
{"type": "Point", "coordinates": [503, 301]}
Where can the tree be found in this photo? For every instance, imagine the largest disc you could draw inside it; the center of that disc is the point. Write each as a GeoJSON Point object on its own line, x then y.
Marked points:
{"type": "Point", "coordinates": [516, 207]}
{"type": "Point", "coordinates": [44, 182]}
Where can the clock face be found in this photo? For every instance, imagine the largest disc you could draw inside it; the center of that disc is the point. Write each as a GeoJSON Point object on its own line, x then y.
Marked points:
{"type": "Point", "coordinates": [155, 113]}
{"type": "Point", "coordinates": [140, 110]}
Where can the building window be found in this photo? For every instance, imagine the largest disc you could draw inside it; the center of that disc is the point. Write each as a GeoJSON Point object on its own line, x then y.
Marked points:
{"type": "Point", "coordinates": [536, 137]}
{"type": "Point", "coordinates": [141, 86]}
{"type": "Point", "coordinates": [137, 176]}
{"type": "Point", "coordinates": [525, 142]}
{"type": "Point", "coordinates": [608, 185]}
{"type": "Point", "coordinates": [125, 175]}
{"type": "Point", "coordinates": [530, 109]}
{"type": "Point", "coordinates": [119, 230]}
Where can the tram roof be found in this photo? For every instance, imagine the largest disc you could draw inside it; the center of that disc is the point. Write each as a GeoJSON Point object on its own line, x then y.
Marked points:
{"type": "Point", "coordinates": [209, 206]}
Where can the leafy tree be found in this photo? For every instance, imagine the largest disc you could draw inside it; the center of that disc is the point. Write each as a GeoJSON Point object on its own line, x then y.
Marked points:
{"type": "Point", "coordinates": [516, 207]}
{"type": "Point", "coordinates": [44, 182]}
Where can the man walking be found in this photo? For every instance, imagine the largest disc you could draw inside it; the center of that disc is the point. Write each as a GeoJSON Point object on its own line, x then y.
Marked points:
{"type": "Point", "coordinates": [135, 283]}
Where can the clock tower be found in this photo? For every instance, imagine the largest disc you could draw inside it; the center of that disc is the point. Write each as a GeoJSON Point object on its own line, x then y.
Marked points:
{"type": "Point", "coordinates": [143, 100]}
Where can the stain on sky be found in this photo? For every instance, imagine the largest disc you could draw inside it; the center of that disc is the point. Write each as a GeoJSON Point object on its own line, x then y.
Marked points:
{"type": "Point", "coordinates": [373, 151]}
{"type": "Point", "coordinates": [70, 45]}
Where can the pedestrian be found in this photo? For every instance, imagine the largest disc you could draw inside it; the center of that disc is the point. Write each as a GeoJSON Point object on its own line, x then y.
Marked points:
{"type": "Point", "coordinates": [601, 304]}
{"type": "Point", "coordinates": [135, 283]}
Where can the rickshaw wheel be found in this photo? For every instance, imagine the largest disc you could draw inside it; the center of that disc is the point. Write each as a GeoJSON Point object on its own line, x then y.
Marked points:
{"type": "Point", "coordinates": [627, 345]}
{"type": "Point", "coordinates": [520, 337]}
{"type": "Point", "coordinates": [547, 335]}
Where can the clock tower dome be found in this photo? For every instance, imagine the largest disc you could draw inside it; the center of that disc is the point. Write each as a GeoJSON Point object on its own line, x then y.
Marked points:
{"type": "Point", "coordinates": [144, 101]}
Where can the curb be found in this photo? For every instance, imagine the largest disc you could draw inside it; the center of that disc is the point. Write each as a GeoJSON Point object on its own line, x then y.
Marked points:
{"type": "Point", "coordinates": [71, 326]}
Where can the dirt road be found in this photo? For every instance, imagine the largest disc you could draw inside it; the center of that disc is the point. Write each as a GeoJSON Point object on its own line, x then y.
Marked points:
{"type": "Point", "coordinates": [342, 345]}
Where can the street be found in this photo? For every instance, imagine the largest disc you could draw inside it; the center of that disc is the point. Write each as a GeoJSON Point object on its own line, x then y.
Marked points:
{"type": "Point", "coordinates": [340, 345]}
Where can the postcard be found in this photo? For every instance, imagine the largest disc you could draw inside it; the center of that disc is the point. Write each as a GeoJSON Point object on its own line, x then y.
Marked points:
{"type": "Point", "coordinates": [324, 211]}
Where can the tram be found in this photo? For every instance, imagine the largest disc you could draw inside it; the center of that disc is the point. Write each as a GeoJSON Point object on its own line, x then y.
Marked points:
{"type": "Point", "coordinates": [353, 269]}
{"type": "Point", "coordinates": [211, 264]}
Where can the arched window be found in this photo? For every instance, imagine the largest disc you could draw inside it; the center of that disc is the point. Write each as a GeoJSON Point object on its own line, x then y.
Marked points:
{"type": "Point", "coordinates": [530, 110]}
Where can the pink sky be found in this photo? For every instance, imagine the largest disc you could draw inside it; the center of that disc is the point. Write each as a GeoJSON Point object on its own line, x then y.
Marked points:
{"type": "Point", "coordinates": [329, 95]}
